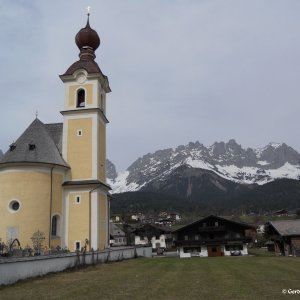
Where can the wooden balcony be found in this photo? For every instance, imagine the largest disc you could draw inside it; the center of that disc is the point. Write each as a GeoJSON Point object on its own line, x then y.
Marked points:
{"type": "Point", "coordinates": [212, 229]}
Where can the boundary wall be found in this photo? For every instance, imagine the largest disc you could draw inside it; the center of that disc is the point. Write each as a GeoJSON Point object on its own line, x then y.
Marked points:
{"type": "Point", "coordinates": [15, 269]}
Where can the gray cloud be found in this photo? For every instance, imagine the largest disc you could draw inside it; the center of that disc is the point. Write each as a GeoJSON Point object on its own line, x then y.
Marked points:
{"type": "Point", "coordinates": [179, 71]}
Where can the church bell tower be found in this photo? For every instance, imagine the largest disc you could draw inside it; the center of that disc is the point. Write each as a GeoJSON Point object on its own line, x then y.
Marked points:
{"type": "Point", "coordinates": [85, 197]}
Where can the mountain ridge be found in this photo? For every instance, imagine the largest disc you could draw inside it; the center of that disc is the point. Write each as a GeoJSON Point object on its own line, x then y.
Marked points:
{"type": "Point", "coordinates": [228, 160]}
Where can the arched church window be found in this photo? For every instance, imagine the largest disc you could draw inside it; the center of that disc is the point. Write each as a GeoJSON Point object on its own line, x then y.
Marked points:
{"type": "Point", "coordinates": [55, 226]}
{"type": "Point", "coordinates": [81, 98]}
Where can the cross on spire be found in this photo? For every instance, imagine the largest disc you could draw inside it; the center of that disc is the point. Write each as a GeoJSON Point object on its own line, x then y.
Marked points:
{"type": "Point", "coordinates": [88, 9]}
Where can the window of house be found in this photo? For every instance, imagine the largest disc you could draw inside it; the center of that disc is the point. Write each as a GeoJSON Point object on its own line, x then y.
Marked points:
{"type": "Point", "coordinates": [31, 146]}
{"type": "Point", "coordinates": [192, 250]}
{"type": "Point", "coordinates": [54, 226]}
{"type": "Point", "coordinates": [216, 224]}
{"type": "Point", "coordinates": [186, 237]}
{"type": "Point", "coordinates": [77, 199]}
{"type": "Point", "coordinates": [211, 236]}
{"type": "Point", "coordinates": [77, 246]}
{"type": "Point", "coordinates": [233, 247]}
{"type": "Point", "coordinates": [12, 147]}
{"type": "Point", "coordinates": [81, 98]}
{"type": "Point", "coordinates": [204, 225]}
{"type": "Point", "coordinates": [196, 237]}
{"type": "Point", "coordinates": [14, 206]}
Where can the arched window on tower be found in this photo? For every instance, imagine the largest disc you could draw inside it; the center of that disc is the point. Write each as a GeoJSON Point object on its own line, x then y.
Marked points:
{"type": "Point", "coordinates": [55, 226]}
{"type": "Point", "coordinates": [81, 98]}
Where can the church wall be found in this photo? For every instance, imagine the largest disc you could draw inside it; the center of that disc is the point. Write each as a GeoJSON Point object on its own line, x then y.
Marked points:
{"type": "Point", "coordinates": [32, 189]}
{"type": "Point", "coordinates": [102, 152]}
{"type": "Point", "coordinates": [57, 209]}
{"type": "Point", "coordinates": [79, 148]}
{"type": "Point", "coordinates": [79, 219]}
{"type": "Point", "coordinates": [103, 230]}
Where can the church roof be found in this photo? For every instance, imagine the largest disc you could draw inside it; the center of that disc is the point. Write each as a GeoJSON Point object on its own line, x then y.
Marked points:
{"type": "Point", "coordinates": [55, 130]}
{"type": "Point", "coordinates": [89, 65]}
{"type": "Point", "coordinates": [39, 143]}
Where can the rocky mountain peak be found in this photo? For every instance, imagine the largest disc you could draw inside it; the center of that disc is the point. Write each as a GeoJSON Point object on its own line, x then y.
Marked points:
{"type": "Point", "coordinates": [228, 160]}
{"type": "Point", "coordinates": [111, 172]}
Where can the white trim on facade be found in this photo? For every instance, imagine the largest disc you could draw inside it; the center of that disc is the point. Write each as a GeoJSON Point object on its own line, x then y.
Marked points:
{"type": "Point", "coordinates": [94, 220]}
{"type": "Point", "coordinates": [95, 147]}
{"type": "Point", "coordinates": [65, 219]}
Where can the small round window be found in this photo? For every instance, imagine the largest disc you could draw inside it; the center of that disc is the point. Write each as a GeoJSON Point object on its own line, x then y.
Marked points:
{"type": "Point", "coordinates": [14, 206]}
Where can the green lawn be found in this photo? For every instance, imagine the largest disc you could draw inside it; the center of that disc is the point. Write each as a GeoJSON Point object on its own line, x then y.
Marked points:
{"type": "Point", "coordinates": [168, 278]}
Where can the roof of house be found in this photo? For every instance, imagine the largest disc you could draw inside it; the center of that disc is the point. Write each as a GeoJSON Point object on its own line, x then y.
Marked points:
{"type": "Point", "coordinates": [148, 227]}
{"type": "Point", "coordinates": [287, 227]}
{"type": "Point", "coordinates": [246, 226]}
{"type": "Point", "coordinates": [115, 230]}
{"type": "Point", "coordinates": [46, 142]}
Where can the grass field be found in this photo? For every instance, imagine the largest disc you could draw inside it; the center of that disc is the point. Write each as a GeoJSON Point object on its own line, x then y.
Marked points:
{"type": "Point", "coordinates": [168, 278]}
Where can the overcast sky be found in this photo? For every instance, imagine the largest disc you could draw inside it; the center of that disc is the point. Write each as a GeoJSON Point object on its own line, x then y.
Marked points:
{"type": "Point", "coordinates": [179, 71]}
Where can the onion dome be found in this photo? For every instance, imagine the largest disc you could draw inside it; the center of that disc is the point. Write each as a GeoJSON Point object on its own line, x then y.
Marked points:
{"type": "Point", "coordinates": [87, 40]}
{"type": "Point", "coordinates": [87, 37]}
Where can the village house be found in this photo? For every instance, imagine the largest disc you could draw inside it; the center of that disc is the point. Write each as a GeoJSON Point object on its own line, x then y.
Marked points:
{"type": "Point", "coordinates": [158, 237]}
{"type": "Point", "coordinates": [285, 235]}
{"type": "Point", "coordinates": [115, 218]}
{"type": "Point", "coordinates": [117, 235]}
{"type": "Point", "coordinates": [213, 236]}
{"type": "Point", "coordinates": [164, 222]}
{"type": "Point", "coordinates": [137, 217]}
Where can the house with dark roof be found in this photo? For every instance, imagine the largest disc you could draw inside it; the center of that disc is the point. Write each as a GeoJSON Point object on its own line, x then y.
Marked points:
{"type": "Point", "coordinates": [285, 234]}
{"type": "Point", "coordinates": [117, 235]}
{"type": "Point", "coordinates": [53, 177]}
{"type": "Point", "coordinates": [212, 236]}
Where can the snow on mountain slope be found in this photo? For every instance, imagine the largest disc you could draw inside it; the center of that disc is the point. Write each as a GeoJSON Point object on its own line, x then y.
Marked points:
{"type": "Point", "coordinates": [228, 160]}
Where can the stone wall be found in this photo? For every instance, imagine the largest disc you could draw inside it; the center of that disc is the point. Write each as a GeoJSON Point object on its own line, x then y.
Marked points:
{"type": "Point", "coordinates": [14, 269]}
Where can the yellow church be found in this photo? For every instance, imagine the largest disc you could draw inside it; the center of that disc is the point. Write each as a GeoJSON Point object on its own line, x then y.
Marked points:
{"type": "Point", "coordinates": [53, 179]}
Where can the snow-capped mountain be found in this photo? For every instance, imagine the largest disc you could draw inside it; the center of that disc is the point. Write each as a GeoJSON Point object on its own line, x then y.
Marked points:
{"type": "Point", "coordinates": [111, 172]}
{"type": "Point", "coordinates": [228, 160]}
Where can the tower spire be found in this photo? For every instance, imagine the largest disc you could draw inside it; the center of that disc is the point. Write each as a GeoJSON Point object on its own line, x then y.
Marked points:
{"type": "Point", "coordinates": [87, 40]}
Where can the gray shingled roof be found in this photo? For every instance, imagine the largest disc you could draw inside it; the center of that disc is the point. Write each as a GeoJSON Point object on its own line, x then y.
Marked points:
{"type": "Point", "coordinates": [55, 131]}
{"type": "Point", "coordinates": [116, 230]}
{"type": "Point", "coordinates": [287, 227]}
{"type": "Point", "coordinates": [47, 140]}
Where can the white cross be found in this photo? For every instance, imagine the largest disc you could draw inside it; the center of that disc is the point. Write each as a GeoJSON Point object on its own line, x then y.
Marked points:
{"type": "Point", "coordinates": [88, 10]}
{"type": "Point", "coordinates": [36, 114]}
